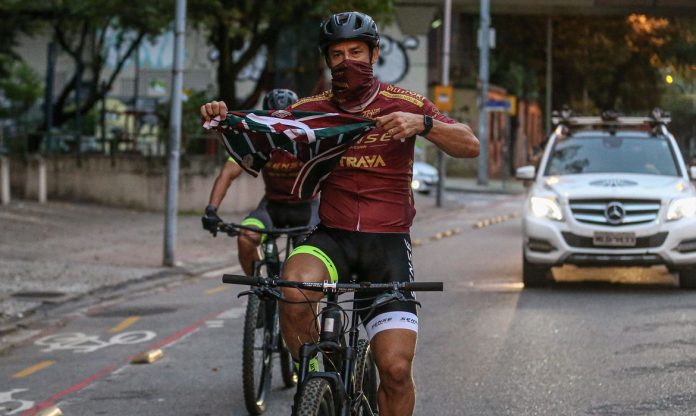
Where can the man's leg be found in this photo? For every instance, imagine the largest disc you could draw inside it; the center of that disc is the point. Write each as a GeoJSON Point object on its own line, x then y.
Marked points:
{"type": "Point", "coordinates": [297, 321]}
{"type": "Point", "coordinates": [248, 250]}
{"type": "Point", "coordinates": [393, 351]}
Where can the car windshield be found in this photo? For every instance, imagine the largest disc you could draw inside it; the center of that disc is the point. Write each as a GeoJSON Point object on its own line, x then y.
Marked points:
{"type": "Point", "coordinates": [608, 153]}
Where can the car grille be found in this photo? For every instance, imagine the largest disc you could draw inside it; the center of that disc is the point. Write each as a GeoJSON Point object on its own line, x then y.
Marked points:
{"type": "Point", "coordinates": [615, 212]}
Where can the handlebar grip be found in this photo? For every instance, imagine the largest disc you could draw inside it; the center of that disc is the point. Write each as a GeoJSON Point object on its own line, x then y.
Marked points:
{"type": "Point", "coordinates": [236, 279]}
{"type": "Point", "coordinates": [424, 286]}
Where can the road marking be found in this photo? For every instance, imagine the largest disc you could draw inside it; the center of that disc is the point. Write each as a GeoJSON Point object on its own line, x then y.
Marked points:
{"type": "Point", "coordinates": [82, 343]}
{"type": "Point", "coordinates": [124, 324]}
{"type": "Point", "coordinates": [19, 405]}
{"type": "Point", "coordinates": [215, 323]}
{"type": "Point", "coordinates": [111, 369]}
{"type": "Point", "coordinates": [233, 313]}
{"type": "Point", "coordinates": [217, 290]}
{"type": "Point", "coordinates": [33, 369]}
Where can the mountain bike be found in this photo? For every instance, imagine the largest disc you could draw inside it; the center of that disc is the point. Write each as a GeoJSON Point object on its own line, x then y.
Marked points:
{"type": "Point", "coordinates": [348, 384]}
{"type": "Point", "coordinates": [261, 328]}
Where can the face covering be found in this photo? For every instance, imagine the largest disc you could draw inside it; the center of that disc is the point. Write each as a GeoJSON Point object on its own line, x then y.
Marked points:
{"type": "Point", "coordinates": [353, 85]}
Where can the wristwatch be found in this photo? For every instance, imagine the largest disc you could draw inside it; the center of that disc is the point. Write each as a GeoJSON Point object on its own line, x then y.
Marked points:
{"type": "Point", "coordinates": [428, 122]}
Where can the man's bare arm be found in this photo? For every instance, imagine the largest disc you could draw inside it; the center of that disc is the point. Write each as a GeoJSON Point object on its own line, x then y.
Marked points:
{"type": "Point", "coordinates": [457, 140]}
{"type": "Point", "coordinates": [229, 172]}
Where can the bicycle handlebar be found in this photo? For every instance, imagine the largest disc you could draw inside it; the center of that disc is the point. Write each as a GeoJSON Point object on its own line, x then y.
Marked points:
{"type": "Point", "coordinates": [233, 229]}
{"type": "Point", "coordinates": [327, 287]}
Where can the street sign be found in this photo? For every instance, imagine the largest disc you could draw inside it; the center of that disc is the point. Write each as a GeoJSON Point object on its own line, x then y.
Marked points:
{"type": "Point", "coordinates": [505, 105]}
{"type": "Point", "coordinates": [444, 98]}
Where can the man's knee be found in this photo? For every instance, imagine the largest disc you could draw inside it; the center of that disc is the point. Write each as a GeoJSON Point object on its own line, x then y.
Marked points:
{"type": "Point", "coordinates": [249, 238]}
{"type": "Point", "coordinates": [396, 372]}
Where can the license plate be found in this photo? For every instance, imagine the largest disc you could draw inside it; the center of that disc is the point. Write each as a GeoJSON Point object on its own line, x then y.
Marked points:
{"type": "Point", "coordinates": [614, 239]}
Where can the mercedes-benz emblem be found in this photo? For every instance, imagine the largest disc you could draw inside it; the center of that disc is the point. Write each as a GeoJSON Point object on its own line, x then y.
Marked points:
{"type": "Point", "coordinates": [615, 213]}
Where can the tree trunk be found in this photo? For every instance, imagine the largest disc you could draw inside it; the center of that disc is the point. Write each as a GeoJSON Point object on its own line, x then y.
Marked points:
{"type": "Point", "coordinates": [227, 88]}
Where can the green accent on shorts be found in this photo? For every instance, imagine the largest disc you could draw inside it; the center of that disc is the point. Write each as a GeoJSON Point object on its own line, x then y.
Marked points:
{"type": "Point", "coordinates": [330, 266]}
{"type": "Point", "coordinates": [255, 222]}
{"type": "Point", "coordinates": [231, 159]}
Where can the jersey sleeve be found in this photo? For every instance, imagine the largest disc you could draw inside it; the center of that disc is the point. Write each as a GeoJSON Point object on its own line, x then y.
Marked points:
{"type": "Point", "coordinates": [429, 109]}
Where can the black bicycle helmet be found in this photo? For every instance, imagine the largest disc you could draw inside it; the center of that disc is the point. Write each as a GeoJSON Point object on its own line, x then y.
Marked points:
{"type": "Point", "coordinates": [348, 26]}
{"type": "Point", "coordinates": [279, 99]}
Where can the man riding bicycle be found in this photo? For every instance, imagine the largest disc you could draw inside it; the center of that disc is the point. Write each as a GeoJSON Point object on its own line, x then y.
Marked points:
{"type": "Point", "coordinates": [367, 206]}
{"type": "Point", "coordinates": [278, 207]}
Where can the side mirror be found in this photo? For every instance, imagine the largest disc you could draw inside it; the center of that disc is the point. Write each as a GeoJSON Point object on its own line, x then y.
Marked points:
{"type": "Point", "coordinates": [526, 173]}
{"type": "Point", "coordinates": [692, 173]}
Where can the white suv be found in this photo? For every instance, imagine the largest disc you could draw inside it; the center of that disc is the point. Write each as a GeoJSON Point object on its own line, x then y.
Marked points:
{"type": "Point", "coordinates": [610, 191]}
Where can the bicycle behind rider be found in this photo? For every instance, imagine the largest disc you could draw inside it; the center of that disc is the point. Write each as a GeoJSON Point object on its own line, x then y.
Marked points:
{"type": "Point", "coordinates": [367, 206]}
{"type": "Point", "coordinates": [278, 208]}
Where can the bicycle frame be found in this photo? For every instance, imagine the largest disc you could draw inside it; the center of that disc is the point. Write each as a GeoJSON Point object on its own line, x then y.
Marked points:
{"type": "Point", "coordinates": [332, 340]}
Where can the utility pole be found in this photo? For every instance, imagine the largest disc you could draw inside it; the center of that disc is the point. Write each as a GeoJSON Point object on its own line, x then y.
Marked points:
{"type": "Point", "coordinates": [549, 74]}
{"type": "Point", "coordinates": [484, 39]}
{"type": "Point", "coordinates": [446, 31]}
{"type": "Point", "coordinates": [48, 97]}
{"type": "Point", "coordinates": [171, 205]}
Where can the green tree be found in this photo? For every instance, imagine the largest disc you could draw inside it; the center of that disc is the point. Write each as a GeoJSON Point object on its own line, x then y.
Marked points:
{"type": "Point", "coordinates": [20, 86]}
{"type": "Point", "coordinates": [599, 62]}
{"type": "Point", "coordinates": [80, 28]}
{"type": "Point", "coordinates": [246, 26]}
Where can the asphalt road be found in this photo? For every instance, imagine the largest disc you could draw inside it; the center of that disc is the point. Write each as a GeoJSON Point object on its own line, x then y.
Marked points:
{"type": "Point", "coordinates": [597, 343]}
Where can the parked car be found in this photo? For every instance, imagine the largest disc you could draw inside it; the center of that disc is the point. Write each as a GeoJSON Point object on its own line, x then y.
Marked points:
{"type": "Point", "coordinates": [425, 177]}
{"type": "Point", "coordinates": [610, 191]}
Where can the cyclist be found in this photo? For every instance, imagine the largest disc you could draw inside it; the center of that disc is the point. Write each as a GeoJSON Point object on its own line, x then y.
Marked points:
{"type": "Point", "coordinates": [367, 207]}
{"type": "Point", "coordinates": [278, 207]}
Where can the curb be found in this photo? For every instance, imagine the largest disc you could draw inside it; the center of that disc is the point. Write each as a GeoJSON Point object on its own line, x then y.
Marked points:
{"type": "Point", "coordinates": [152, 280]}
{"type": "Point", "coordinates": [500, 191]}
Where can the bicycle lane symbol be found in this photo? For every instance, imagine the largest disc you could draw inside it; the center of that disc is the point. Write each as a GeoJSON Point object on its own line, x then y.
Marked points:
{"type": "Point", "coordinates": [6, 401]}
{"type": "Point", "coordinates": [83, 343]}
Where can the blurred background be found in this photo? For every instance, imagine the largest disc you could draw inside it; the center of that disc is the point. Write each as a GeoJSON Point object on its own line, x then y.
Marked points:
{"type": "Point", "coordinates": [86, 84]}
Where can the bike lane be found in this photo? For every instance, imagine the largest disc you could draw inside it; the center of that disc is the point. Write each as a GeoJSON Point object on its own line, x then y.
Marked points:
{"type": "Point", "coordinates": [57, 363]}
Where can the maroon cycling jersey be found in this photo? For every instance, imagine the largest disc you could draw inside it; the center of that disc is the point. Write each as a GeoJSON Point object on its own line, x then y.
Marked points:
{"type": "Point", "coordinates": [279, 175]}
{"type": "Point", "coordinates": [369, 190]}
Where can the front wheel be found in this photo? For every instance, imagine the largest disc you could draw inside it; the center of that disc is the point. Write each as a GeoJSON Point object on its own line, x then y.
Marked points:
{"type": "Point", "coordinates": [316, 399]}
{"type": "Point", "coordinates": [256, 356]}
{"type": "Point", "coordinates": [687, 278]}
{"type": "Point", "coordinates": [365, 380]}
{"type": "Point", "coordinates": [534, 275]}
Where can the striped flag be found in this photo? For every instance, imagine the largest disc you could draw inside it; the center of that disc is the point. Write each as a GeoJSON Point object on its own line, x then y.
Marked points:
{"type": "Point", "coordinates": [317, 139]}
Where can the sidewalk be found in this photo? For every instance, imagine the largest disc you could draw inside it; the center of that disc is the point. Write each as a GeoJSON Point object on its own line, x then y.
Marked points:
{"type": "Point", "coordinates": [497, 186]}
{"type": "Point", "coordinates": [59, 251]}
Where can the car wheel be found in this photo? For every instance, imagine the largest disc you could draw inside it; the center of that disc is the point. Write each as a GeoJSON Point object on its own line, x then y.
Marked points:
{"type": "Point", "coordinates": [534, 275]}
{"type": "Point", "coordinates": [687, 278]}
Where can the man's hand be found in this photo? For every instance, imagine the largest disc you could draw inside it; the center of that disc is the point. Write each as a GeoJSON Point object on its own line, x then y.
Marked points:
{"type": "Point", "coordinates": [211, 220]}
{"type": "Point", "coordinates": [401, 125]}
{"type": "Point", "coordinates": [212, 109]}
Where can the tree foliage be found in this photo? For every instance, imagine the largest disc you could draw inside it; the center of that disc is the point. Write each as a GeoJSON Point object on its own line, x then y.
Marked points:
{"type": "Point", "coordinates": [246, 26]}
{"type": "Point", "coordinates": [80, 28]}
{"type": "Point", "coordinates": [20, 87]}
{"type": "Point", "coordinates": [598, 62]}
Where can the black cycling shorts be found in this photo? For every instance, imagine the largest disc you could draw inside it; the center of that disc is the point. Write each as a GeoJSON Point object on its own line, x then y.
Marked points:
{"type": "Point", "coordinates": [374, 257]}
{"type": "Point", "coordinates": [271, 214]}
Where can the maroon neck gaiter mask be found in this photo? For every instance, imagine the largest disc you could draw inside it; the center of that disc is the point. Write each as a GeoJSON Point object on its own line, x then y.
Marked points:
{"type": "Point", "coordinates": [353, 85]}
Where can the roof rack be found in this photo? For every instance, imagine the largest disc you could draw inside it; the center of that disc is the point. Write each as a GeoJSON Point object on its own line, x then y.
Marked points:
{"type": "Point", "coordinates": [609, 119]}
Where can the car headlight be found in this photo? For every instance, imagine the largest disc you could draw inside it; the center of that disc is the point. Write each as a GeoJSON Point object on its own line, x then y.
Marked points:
{"type": "Point", "coordinates": [545, 208]}
{"type": "Point", "coordinates": [681, 208]}
{"type": "Point", "coordinates": [415, 184]}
